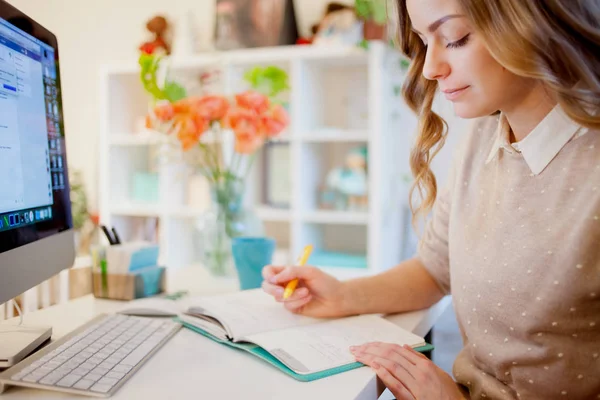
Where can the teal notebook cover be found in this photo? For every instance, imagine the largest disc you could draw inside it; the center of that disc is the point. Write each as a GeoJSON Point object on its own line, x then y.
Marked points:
{"type": "Point", "coordinates": [266, 356]}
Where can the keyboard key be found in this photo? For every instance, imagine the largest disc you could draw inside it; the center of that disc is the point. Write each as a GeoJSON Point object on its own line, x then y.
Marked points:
{"type": "Point", "coordinates": [108, 364]}
{"type": "Point", "coordinates": [95, 360]}
{"type": "Point", "coordinates": [83, 384]}
{"type": "Point", "coordinates": [100, 370]}
{"type": "Point", "coordinates": [101, 388]}
{"type": "Point", "coordinates": [51, 379]}
{"type": "Point", "coordinates": [115, 375]}
{"type": "Point", "coordinates": [87, 364]}
{"type": "Point", "coordinates": [17, 377]}
{"type": "Point", "coordinates": [138, 354]}
{"type": "Point", "coordinates": [68, 380]}
{"type": "Point", "coordinates": [38, 363]}
{"type": "Point", "coordinates": [93, 376]}
{"type": "Point", "coordinates": [72, 364]}
{"type": "Point", "coordinates": [122, 368]}
{"type": "Point", "coordinates": [108, 381]}
{"type": "Point", "coordinates": [103, 354]}
{"type": "Point", "coordinates": [31, 378]}
{"type": "Point", "coordinates": [80, 372]}
{"type": "Point", "coordinates": [79, 358]}
{"type": "Point", "coordinates": [28, 369]}
{"type": "Point", "coordinates": [44, 370]}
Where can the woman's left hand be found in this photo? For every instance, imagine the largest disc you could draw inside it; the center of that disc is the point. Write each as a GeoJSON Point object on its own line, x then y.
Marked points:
{"type": "Point", "coordinates": [409, 375]}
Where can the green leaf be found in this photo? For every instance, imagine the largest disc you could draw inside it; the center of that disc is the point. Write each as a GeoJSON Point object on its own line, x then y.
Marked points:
{"type": "Point", "coordinates": [253, 76]}
{"type": "Point", "coordinates": [174, 91]}
{"type": "Point", "coordinates": [269, 81]}
{"type": "Point", "coordinates": [362, 8]}
{"type": "Point", "coordinates": [149, 67]}
{"type": "Point", "coordinates": [379, 12]}
{"type": "Point", "coordinates": [372, 9]}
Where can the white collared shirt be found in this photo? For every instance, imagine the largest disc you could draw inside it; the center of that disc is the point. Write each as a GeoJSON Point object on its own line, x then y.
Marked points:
{"type": "Point", "coordinates": [543, 143]}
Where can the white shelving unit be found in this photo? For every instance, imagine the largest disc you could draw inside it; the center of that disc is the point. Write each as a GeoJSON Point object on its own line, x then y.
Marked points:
{"type": "Point", "coordinates": [339, 98]}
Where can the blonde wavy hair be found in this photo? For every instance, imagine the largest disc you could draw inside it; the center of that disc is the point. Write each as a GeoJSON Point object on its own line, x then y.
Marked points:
{"type": "Point", "coordinates": [554, 41]}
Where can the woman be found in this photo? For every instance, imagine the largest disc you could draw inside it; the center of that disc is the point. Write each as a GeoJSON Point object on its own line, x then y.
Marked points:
{"type": "Point", "coordinates": [516, 232]}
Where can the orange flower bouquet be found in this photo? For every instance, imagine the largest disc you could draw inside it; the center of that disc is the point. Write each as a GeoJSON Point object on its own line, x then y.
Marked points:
{"type": "Point", "coordinates": [252, 119]}
{"type": "Point", "coordinates": [226, 133]}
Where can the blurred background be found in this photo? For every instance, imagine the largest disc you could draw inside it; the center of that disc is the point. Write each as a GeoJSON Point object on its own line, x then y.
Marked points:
{"type": "Point", "coordinates": [336, 175]}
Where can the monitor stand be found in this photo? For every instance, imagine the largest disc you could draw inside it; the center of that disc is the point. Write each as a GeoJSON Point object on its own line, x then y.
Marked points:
{"type": "Point", "coordinates": [18, 341]}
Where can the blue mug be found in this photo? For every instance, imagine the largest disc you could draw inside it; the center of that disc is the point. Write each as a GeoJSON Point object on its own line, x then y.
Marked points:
{"type": "Point", "coordinates": [250, 255]}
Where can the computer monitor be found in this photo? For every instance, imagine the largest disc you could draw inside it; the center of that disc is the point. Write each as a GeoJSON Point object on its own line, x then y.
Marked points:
{"type": "Point", "coordinates": [36, 235]}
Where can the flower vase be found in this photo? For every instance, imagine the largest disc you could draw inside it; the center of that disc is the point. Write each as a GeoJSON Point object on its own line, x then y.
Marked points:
{"type": "Point", "coordinates": [226, 219]}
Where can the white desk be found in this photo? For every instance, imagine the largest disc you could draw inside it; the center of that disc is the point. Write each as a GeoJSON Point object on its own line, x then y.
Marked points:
{"type": "Point", "coordinates": [191, 366]}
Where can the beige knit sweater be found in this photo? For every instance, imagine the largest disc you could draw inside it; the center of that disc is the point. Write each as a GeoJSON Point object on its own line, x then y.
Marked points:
{"type": "Point", "coordinates": [515, 237]}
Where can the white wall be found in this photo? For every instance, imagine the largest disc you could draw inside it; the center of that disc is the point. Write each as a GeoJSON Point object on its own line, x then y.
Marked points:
{"type": "Point", "coordinates": [93, 32]}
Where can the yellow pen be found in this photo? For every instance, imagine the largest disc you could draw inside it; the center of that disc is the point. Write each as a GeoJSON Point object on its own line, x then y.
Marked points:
{"type": "Point", "coordinates": [291, 286]}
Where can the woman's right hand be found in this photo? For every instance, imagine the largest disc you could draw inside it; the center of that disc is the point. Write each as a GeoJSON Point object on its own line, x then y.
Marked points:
{"type": "Point", "coordinates": [317, 294]}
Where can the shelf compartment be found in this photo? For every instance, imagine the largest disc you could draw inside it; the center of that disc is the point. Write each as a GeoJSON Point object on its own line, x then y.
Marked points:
{"type": "Point", "coordinates": [336, 217]}
{"type": "Point", "coordinates": [124, 163]}
{"type": "Point", "coordinates": [320, 159]}
{"type": "Point", "coordinates": [280, 232]}
{"type": "Point", "coordinates": [327, 97]}
{"type": "Point", "coordinates": [335, 245]}
{"type": "Point", "coordinates": [273, 214]}
{"type": "Point", "coordinates": [330, 259]}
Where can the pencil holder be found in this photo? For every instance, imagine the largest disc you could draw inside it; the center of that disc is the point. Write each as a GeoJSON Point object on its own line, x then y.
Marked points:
{"type": "Point", "coordinates": [142, 283]}
{"type": "Point", "coordinates": [140, 279]}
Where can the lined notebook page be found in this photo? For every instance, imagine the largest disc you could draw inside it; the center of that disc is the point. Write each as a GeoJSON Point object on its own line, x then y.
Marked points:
{"type": "Point", "coordinates": [249, 312]}
{"type": "Point", "coordinates": [315, 348]}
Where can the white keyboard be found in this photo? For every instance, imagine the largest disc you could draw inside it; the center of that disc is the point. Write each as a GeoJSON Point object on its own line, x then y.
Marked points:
{"type": "Point", "coordinates": [94, 360]}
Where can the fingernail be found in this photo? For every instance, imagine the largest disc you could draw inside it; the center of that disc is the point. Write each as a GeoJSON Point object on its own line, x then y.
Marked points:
{"type": "Point", "coordinates": [353, 348]}
{"type": "Point", "coordinates": [375, 365]}
{"type": "Point", "coordinates": [279, 290]}
{"type": "Point", "coordinates": [273, 279]}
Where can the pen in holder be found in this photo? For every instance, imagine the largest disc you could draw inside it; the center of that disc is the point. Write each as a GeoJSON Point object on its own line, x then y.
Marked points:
{"type": "Point", "coordinates": [126, 272]}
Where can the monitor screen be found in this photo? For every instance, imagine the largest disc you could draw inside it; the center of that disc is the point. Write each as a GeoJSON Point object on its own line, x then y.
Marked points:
{"type": "Point", "coordinates": [34, 188]}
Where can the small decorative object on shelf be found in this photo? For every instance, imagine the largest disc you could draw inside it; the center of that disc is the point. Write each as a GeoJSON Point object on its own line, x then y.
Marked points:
{"type": "Point", "coordinates": [374, 15]}
{"type": "Point", "coordinates": [347, 187]}
{"type": "Point", "coordinates": [339, 27]}
{"type": "Point", "coordinates": [254, 23]}
{"type": "Point", "coordinates": [160, 43]}
{"type": "Point", "coordinates": [224, 134]}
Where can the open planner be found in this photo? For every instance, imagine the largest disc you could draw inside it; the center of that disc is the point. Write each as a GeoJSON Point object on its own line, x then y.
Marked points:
{"type": "Point", "coordinates": [304, 348]}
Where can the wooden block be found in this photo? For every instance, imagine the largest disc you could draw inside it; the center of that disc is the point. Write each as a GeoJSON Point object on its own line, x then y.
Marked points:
{"type": "Point", "coordinates": [116, 287]}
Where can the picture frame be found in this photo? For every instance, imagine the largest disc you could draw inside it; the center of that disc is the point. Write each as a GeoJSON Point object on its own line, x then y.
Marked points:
{"type": "Point", "coordinates": [254, 23]}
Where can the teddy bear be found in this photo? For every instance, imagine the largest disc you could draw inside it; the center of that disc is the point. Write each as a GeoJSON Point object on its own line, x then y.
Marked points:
{"type": "Point", "coordinates": [159, 27]}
